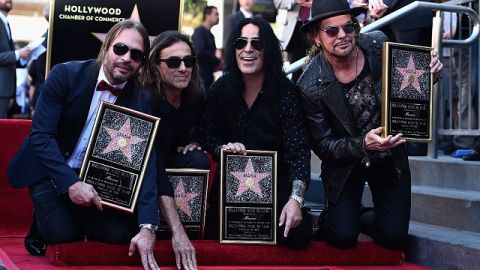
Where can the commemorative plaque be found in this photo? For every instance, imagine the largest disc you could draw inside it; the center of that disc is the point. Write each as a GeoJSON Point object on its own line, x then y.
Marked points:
{"type": "Point", "coordinates": [407, 91]}
{"type": "Point", "coordinates": [190, 194]}
{"type": "Point", "coordinates": [248, 197]}
{"type": "Point", "coordinates": [117, 154]}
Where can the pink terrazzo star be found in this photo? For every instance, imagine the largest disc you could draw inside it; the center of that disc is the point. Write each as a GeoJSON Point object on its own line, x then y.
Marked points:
{"type": "Point", "coordinates": [249, 179]}
{"type": "Point", "coordinates": [122, 140]}
{"type": "Point", "coordinates": [182, 198]}
{"type": "Point", "coordinates": [410, 75]}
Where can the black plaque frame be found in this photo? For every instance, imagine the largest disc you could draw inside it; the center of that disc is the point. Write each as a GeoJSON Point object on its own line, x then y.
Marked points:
{"type": "Point", "coordinates": [407, 86]}
{"type": "Point", "coordinates": [241, 218]}
{"type": "Point", "coordinates": [193, 226]}
{"type": "Point", "coordinates": [116, 177]}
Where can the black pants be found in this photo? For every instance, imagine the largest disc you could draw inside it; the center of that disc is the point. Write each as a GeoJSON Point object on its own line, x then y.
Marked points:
{"type": "Point", "coordinates": [60, 221]}
{"type": "Point", "coordinates": [298, 237]}
{"type": "Point", "coordinates": [387, 224]}
{"type": "Point", "coordinates": [195, 159]}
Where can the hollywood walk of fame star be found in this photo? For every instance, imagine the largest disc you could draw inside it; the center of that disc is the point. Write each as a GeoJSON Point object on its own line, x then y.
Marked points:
{"type": "Point", "coordinates": [410, 75]}
{"type": "Point", "coordinates": [135, 16]}
{"type": "Point", "coordinates": [182, 198]}
{"type": "Point", "coordinates": [249, 179]}
{"type": "Point", "coordinates": [122, 140]}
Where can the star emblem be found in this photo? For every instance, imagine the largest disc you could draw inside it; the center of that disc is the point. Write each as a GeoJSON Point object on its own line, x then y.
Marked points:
{"type": "Point", "coordinates": [249, 179]}
{"type": "Point", "coordinates": [134, 16]}
{"type": "Point", "coordinates": [182, 198]}
{"type": "Point", "coordinates": [122, 140]}
{"type": "Point", "coordinates": [410, 75]}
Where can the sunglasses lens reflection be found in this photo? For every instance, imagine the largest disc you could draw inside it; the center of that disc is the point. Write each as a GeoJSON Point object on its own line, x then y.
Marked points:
{"type": "Point", "coordinates": [241, 43]}
{"type": "Point", "coordinates": [121, 49]}
{"type": "Point", "coordinates": [175, 62]}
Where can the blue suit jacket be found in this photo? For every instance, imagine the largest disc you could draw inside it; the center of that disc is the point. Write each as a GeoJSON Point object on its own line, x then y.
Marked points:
{"type": "Point", "coordinates": [60, 115]}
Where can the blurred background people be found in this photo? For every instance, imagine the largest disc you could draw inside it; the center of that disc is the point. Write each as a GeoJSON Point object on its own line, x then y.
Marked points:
{"type": "Point", "coordinates": [9, 60]}
{"type": "Point", "coordinates": [205, 47]}
{"type": "Point", "coordinates": [293, 41]}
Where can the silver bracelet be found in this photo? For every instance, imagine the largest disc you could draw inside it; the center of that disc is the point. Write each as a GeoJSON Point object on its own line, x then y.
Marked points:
{"type": "Point", "coordinates": [152, 228]}
{"type": "Point", "coordinates": [297, 199]}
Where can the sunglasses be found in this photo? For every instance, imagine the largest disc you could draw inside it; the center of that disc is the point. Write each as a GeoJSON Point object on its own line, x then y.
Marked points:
{"type": "Point", "coordinates": [175, 61]}
{"type": "Point", "coordinates": [241, 42]}
{"type": "Point", "coordinates": [121, 49]}
{"type": "Point", "coordinates": [332, 31]}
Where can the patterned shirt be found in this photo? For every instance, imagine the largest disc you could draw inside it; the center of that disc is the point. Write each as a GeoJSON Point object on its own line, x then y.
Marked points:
{"type": "Point", "coordinates": [365, 105]}
{"type": "Point", "coordinates": [273, 122]}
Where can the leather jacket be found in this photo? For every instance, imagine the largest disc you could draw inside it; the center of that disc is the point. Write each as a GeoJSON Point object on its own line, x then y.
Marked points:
{"type": "Point", "coordinates": [336, 140]}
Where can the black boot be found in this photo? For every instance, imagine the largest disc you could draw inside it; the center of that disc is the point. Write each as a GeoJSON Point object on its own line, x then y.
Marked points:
{"type": "Point", "coordinates": [34, 243]}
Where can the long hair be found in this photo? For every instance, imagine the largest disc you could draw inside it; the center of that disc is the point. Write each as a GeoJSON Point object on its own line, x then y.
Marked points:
{"type": "Point", "coordinates": [272, 55]}
{"type": "Point", "coordinates": [115, 31]}
{"type": "Point", "coordinates": [151, 78]}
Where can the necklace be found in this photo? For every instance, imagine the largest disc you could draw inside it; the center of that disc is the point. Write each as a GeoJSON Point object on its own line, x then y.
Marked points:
{"type": "Point", "coordinates": [352, 93]}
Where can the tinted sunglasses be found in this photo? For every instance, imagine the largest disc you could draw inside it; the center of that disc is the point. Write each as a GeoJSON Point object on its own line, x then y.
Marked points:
{"type": "Point", "coordinates": [175, 61]}
{"type": "Point", "coordinates": [122, 49]}
{"type": "Point", "coordinates": [332, 31]}
{"type": "Point", "coordinates": [241, 42]}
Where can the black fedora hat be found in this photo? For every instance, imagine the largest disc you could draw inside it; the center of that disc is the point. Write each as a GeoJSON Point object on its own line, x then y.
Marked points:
{"type": "Point", "coordinates": [323, 9]}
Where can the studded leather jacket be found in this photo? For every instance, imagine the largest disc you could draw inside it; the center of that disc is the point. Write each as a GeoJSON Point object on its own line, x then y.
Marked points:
{"type": "Point", "coordinates": [336, 140]}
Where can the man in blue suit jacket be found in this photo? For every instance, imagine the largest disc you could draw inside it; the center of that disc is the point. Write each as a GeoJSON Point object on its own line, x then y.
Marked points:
{"type": "Point", "coordinates": [48, 162]}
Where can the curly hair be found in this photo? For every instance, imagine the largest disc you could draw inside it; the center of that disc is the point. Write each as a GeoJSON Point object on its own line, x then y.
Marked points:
{"type": "Point", "coordinates": [272, 55]}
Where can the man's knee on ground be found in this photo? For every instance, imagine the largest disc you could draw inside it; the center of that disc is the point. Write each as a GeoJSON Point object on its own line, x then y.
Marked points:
{"type": "Point", "coordinates": [56, 233]}
{"type": "Point", "coordinates": [342, 239]}
{"type": "Point", "coordinates": [393, 239]}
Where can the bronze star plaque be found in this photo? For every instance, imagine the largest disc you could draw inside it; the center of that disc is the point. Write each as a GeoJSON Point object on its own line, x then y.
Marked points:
{"type": "Point", "coordinates": [117, 154]}
{"type": "Point", "coordinates": [407, 91]}
{"type": "Point", "coordinates": [248, 197]}
{"type": "Point", "coordinates": [190, 193]}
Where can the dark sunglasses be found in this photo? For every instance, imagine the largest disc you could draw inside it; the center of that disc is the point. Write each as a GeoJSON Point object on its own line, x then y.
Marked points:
{"type": "Point", "coordinates": [122, 49]}
{"type": "Point", "coordinates": [241, 42]}
{"type": "Point", "coordinates": [332, 31]}
{"type": "Point", "coordinates": [175, 61]}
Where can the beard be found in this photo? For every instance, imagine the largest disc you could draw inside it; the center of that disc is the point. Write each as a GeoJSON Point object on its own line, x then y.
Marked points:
{"type": "Point", "coordinates": [343, 52]}
{"type": "Point", "coordinates": [116, 76]}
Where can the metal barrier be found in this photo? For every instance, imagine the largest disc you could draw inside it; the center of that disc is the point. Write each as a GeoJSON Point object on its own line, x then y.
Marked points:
{"type": "Point", "coordinates": [470, 42]}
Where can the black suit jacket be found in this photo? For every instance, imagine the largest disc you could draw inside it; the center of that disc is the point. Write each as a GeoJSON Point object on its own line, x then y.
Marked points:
{"type": "Point", "coordinates": [60, 116]}
{"type": "Point", "coordinates": [8, 64]}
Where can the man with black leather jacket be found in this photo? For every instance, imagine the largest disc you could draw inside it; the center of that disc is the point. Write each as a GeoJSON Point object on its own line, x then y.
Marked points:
{"type": "Point", "coordinates": [341, 94]}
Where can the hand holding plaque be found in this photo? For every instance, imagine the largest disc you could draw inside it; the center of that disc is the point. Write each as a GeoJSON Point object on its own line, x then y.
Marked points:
{"type": "Point", "coordinates": [190, 194]}
{"type": "Point", "coordinates": [248, 197]}
{"type": "Point", "coordinates": [407, 91]}
{"type": "Point", "coordinates": [117, 154]}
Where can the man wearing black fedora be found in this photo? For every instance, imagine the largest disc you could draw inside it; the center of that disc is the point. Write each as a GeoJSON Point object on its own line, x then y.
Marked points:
{"type": "Point", "coordinates": [341, 94]}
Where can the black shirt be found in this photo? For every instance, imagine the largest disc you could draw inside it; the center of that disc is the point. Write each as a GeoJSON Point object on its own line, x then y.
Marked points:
{"type": "Point", "coordinates": [274, 122]}
{"type": "Point", "coordinates": [178, 127]}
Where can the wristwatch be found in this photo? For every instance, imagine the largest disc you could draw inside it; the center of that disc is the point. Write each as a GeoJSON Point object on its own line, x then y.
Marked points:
{"type": "Point", "coordinates": [152, 228]}
{"type": "Point", "coordinates": [298, 199]}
